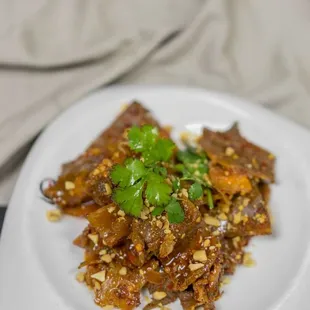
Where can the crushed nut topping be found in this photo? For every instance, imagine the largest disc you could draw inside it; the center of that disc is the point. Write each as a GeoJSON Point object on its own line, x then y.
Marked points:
{"type": "Point", "coordinates": [200, 256]}
{"type": "Point", "coordinates": [248, 261]}
{"type": "Point", "coordinates": [123, 271]}
{"type": "Point", "coordinates": [106, 258]}
{"type": "Point", "coordinates": [94, 238]}
{"type": "Point", "coordinates": [209, 220]}
{"type": "Point", "coordinates": [229, 151]}
{"type": "Point", "coordinates": [159, 295]}
{"type": "Point", "coordinates": [69, 185]}
{"type": "Point", "coordinates": [194, 267]}
{"type": "Point", "coordinates": [80, 276]}
{"type": "Point", "coordinates": [206, 243]}
{"type": "Point", "coordinates": [103, 252]}
{"type": "Point", "coordinates": [121, 213]}
{"type": "Point", "coordinates": [184, 192]}
{"type": "Point", "coordinates": [100, 276]}
{"type": "Point", "coordinates": [111, 209]}
{"type": "Point", "coordinates": [108, 188]}
{"type": "Point", "coordinates": [54, 215]}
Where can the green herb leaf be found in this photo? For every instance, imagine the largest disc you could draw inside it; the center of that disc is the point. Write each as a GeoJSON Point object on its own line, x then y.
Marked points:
{"type": "Point", "coordinates": [157, 190]}
{"type": "Point", "coordinates": [137, 179]}
{"type": "Point", "coordinates": [136, 168]}
{"type": "Point", "coordinates": [120, 175]}
{"type": "Point", "coordinates": [130, 198]}
{"type": "Point", "coordinates": [194, 166]}
{"type": "Point", "coordinates": [160, 170]}
{"type": "Point", "coordinates": [189, 156]}
{"type": "Point", "coordinates": [146, 140]}
{"type": "Point", "coordinates": [158, 211]}
{"type": "Point", "coordinates": [129, 174]}
{"type": "Point", "coordinates": [195, 191]}
{"type": "Point", "coordinates": [174, 211]}
{"type": "Point", "coordinates": [141, 139]}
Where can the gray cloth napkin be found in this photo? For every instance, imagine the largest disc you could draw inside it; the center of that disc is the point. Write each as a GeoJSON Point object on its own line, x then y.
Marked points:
{"type": "Point", "coordinates": [54, 52]}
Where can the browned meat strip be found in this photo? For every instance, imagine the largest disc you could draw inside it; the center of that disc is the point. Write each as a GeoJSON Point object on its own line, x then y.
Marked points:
{"type": "Point", "coordinates": [230, 149]}
{"type": "Point", "coordinates": [70, 189]}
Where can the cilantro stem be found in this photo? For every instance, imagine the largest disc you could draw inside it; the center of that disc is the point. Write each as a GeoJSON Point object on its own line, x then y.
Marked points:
{"type": "Point", "coordinates": [210, 198]}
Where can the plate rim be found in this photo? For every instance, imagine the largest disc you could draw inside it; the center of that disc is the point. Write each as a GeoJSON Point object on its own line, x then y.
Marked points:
{"type": "Point", "coordinates": [243, 104]}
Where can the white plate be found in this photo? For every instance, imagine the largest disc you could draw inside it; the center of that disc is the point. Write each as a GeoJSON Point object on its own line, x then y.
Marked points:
{"type": "Point", "coordinates": [38, 261]}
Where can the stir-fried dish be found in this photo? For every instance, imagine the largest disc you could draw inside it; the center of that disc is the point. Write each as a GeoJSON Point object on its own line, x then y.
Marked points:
{"type": "Point", "coordinates": [173, 221]}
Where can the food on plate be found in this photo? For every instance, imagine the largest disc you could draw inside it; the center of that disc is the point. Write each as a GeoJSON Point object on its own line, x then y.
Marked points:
{"type": "Point", "coordinates": [173, 221]}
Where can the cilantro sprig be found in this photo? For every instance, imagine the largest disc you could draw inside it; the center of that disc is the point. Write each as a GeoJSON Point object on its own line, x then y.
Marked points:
{"type": "Point", "coordinates": [194, 167]}
{"type": "Point", "coordinates": [145, 178]}
{"type": "Point", "coordinates": [145, 140]}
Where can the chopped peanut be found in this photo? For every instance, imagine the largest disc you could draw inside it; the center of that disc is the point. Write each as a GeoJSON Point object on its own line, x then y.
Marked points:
{"type": "Point", "coordinates": [226, 280]}
{"type": "Point", "coordinates": [194, 267]}
{"type": "Point", "coordinates": [237, 218]}
{"type": "Point", "coordinates": [108, 188]}
{"type": "Point", "coordinates": [80, 277]}
{"type": "Point", "coordinates": [54, 215]}
{"type": "Point", "coordinates": [248, 261]}
{"type": "Point", "coordinates": [209, 220]}
{"type": "Point", "coordinates": [159, 295]}
{"type": "Point", "coordinates": [206, 243]}
{"type": "Point", "coordinates": [200, 256]}
{"type": "Point", "coordinates": [121, 213]}
{"type": "Point", "coordinates": [229, 151]}
{"type": "Point", "coordinates": [69, 185]}
{"type": "Point", "coordinates": [123, 271]}
{"type": "Point", "coordinates": [106, 258]}
{"type": "Point", "coordinates": [111, 209]}
{"type": "Point", "coordinates": [103, 252]}
{"type": "Point", "coordinates": [94, 238]}
{"type": "Point", "coordinates": [97, 286]}
{"type": "Point", "coordinates": [100, 276]}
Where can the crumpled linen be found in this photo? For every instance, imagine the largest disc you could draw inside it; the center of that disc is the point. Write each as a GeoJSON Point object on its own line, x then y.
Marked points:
{"type": "Point", "coordinates": [55, 52]}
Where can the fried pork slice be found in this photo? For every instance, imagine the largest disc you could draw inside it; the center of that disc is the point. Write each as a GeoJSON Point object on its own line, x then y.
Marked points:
{"type": "Point", "coordinates": [99, 183]}
{"type": "Point", "coordinates": [83, 209]}
{"type": "Point", "coordinates": [233, 252]}
{"type": "Point", "coordinates": [159, 235]}
{"type": "Point", "coordinates": [161, 293]}
{"type": "Point", "coordinates": [111, 224]}
{"type": "Point", "coordinates": [117, 285]}
{"type": "Point", "coordinates": [192, 257]}
{"type": "Point", "coordinates": [247, 215]}
{"type": "Point", "coordinates": [188, 301]}
{"type": "Point", "coordinates": [207, 288]}
{"type": "Point", "coordinates": [70, 190]}
{"type": "Point", "coordinates": [230, 149]}
{"type": "Point", "coordinates": [228, 181]}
